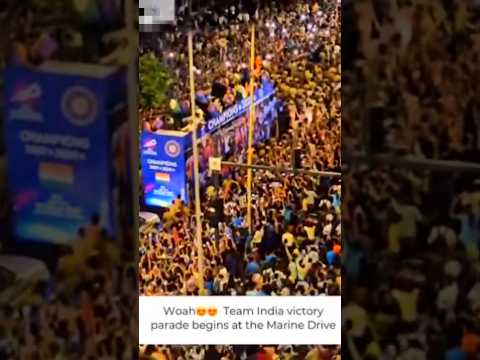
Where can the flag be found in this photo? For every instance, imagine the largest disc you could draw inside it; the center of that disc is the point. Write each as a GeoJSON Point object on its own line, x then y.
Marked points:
{"type": "Point", "coordinates": [56, 173]}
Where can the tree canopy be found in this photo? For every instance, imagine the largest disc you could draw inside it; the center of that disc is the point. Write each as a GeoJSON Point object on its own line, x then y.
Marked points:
{"type": "Point", "coordinates": [154, 80]}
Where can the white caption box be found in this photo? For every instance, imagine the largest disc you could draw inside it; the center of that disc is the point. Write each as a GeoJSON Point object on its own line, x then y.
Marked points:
{"type": "Point", "coordinates": [287, 320]}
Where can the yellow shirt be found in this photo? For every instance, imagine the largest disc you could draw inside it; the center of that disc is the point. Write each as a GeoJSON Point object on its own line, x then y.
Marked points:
{"type": "Point", "coordinates": [302, 271]}
{"type": "Point", "coordinates": [210, 192]}
{"type": "Point", "coordinates": [394, 238]}
{"type": "Point", "coordinates": [408, 304]}
{"type": "Point", "coordinates": [159, 356]}
{"type": "Point", "coordinates": [222, 42]}
{"type": "Point", "coordinates": [293, 271]}
{"type": "Point", "coordinates": [310, 230]}
{"type": "Point", "coordinates": [373, 349]}
{"type": "Point", "coordinates": [257, 237]}
{"type": "Point", "coordinates": [288, 239]}
{"type": "Point", "coordinates": [240, 89]}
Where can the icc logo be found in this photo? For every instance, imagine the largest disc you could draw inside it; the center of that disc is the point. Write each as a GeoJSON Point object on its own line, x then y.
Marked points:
{"type": "Point", "coordinates": [150, 144]}
{"type": "Point", "coordinates": [149, 147]}
{"type": "Point", "coordinates": [26, 102]}
{"type": "Point", "coordinates": [172, 148]}
{"type": "Point", "coordinates": [79, 105]}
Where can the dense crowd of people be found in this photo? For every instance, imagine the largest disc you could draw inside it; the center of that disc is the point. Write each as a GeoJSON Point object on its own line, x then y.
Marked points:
{"type": "Point", "coordinates": [411, 264]}
{"type": "Point", "coordinates": [294, 247]}
{"type": "Point", "coordinates": [240, 352]}
{"type": "Point", "coordinates": [88, 33]}
{"type": "Point", "coordinates": [420, 92]}
{"type": "Point", "coordinates": [411, 234]}
{"type": "Point", "coordinates": [84, 312]}
{"type": "Point", "coordinates": [286, 41]}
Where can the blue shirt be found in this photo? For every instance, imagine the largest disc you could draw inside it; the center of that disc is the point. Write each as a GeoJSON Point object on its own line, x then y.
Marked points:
{"type": "Point", "coordinates": [209, 286]}
{"type": "Point", "coordinates": [331, 257]}
{"type": "Point", "coordinates": [237, 222]}
{"type": "Point", "coordinates": [287, 214]}
{"type": "Point", "coordinates": [469, 229]}
{"type": "Point", "coordinates": [202, 99]}
{"type": "Point", "coordinates": [252, 268]}
{"type": "Point", "coordinates": [336, 202]}
{"type": "Point", "coordinates": [271, 259]}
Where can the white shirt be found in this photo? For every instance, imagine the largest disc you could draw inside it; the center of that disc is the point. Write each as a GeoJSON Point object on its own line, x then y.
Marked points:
{"type": "Point", "coordinates": [474, 295]}
{"type": "Point", "coordinates": [446, 232]}
{"type": "Point", "coordinates": [447, 297]}
{"type": "Point", "coordinates": [358, 316]}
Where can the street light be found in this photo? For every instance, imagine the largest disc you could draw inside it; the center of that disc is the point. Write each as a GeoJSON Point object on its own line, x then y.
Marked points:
{"type": "Point", "coordinates": [250, 131]}
{"type": "Point", "coordinates": [196, 175]}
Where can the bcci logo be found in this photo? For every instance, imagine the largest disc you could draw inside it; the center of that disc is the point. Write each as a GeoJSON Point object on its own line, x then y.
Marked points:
{"type": "Point", "coordinates": [172, 148]}
{"type": "Point", "coordinates": [79, 106]}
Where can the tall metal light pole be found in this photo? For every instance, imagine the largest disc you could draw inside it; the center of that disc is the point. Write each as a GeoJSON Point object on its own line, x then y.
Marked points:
{"type": "Point", "coordinates": [196, 175]}
{"type": "Point", "coordinates": [251, 127]}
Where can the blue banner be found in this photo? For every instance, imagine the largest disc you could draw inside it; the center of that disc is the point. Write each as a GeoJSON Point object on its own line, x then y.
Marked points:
{"type": "Point", "coordinates": [163, 167]}
{"type": "Point", "coordinates": [265, 91]}
{"type": "Point", "coordinates": [164, 154]}
{"type": "Point", "coordinates": [59, 149]}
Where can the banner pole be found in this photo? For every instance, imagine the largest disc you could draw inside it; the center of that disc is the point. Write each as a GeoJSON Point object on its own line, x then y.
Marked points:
{"type": "Point", "coordinates": [250, 131]}
{"type": "Point", "coordinates": [198, 218]}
